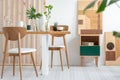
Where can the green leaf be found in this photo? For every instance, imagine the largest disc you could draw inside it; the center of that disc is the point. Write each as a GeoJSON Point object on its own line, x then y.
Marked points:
{"type": "Point", "coordinates": [32, 14]}
{"type": "Point", "coordinates": [48, 11]}
{"type": "Point", "coordinates": [102, 6]}
{"type": "Point", "coordinates": [116, 34]}
{"type": "Point", "coordinates": [38, 15]}
{"type": "Point", "coordinates": [90, 5]}
{"type": "Point", "coordinates": [113, 1]}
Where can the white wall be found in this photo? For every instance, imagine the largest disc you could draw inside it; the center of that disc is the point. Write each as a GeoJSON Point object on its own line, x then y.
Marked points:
{"type": "Point", "coordinates": [111, 22]}
{"type": "Point", "coordinates": [65, 12]}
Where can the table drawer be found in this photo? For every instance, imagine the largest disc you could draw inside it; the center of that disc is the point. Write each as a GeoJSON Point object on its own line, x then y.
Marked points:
{"type": "Point", "coordinates": [89, 50]}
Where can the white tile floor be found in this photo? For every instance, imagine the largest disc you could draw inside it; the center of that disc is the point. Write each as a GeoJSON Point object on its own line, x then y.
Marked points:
{"type": "Point", "coordinates": [74, 73]}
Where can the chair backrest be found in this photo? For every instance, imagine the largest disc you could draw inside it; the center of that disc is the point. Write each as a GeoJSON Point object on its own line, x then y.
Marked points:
{"type": "Point", "coordinates": [12, 32]}
{"type": "Point", "coordinates": [65, 28]}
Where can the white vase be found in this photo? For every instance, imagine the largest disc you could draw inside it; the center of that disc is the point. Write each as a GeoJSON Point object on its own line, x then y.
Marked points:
{"type": "Point", "coordinates": [20, 23]}
{"type": "Point", "coordinates": [42, 22]}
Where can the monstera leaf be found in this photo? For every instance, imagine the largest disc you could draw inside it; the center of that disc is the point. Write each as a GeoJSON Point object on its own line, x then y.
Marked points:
{"type": "Point", "coordinates": [32, 14]}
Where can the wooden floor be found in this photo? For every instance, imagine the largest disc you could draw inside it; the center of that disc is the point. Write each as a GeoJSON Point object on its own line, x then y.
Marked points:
{"type": "Point", "coordinates": [74, 73]}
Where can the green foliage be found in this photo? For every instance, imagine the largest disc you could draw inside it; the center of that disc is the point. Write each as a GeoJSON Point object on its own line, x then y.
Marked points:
{"type": "Point", "coordinates": [116, 34]}
{"type": "Point", "coordinates": [90, 5]}
{"type": "Point", "coordinates": [48, 12]}
{"type": "Point", "coordinates": [55, 24]}
{"type": "Point", "coordinates": [113, 1]}
{"type": "Point", "coordinates": [103, 5]}
{"type": "Point", "coordinates": [32, 14]}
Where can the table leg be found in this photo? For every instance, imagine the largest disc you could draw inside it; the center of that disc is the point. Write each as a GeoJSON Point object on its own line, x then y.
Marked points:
{"type": "Point", "coordinates": [45, 54]}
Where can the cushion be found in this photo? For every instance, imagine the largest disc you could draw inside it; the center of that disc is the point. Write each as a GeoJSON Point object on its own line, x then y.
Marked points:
{"type": "Point", "coordinates": [23, 50]}
{"type": "Point", "coordinates": [56, 46]}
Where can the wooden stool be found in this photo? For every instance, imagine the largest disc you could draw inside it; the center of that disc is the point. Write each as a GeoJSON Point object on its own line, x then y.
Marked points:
{"type": "Point", "coordinates": [59, 48]}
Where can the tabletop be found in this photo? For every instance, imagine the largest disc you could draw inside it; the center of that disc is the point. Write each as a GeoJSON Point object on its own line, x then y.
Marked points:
{"type": "Point", "coordinates": [47, 32]}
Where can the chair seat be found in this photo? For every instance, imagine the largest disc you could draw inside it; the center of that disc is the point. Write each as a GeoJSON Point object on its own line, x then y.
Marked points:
{"type": "Point", "coordinates": [23, 50]}
{"type": "Point", "coordinates": [56, 47]}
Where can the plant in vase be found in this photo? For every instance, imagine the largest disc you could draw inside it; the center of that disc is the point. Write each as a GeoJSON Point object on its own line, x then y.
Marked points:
{"type": "Point", "coordinates": [47, 13]}
{"type": "Point", "coordinates": [33, 15]}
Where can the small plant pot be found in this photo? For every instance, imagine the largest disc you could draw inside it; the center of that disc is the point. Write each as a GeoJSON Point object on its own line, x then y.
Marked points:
{"type": "Point", "coordinates": [28, 27]}
{"type": "Point", "coordinates": [55, 28]}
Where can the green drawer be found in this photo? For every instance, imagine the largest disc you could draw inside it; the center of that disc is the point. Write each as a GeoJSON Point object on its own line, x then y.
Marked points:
{"type": "Point", "coordinates": [89, 50]}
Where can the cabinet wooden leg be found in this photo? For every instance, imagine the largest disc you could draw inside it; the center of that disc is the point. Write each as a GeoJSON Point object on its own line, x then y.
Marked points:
{"type": "Point", "coordinates": [96, 61]}
{"type": "Point", "coordinates": [13, 65]}
{"type": "Point", "coordinates": [82, 61]}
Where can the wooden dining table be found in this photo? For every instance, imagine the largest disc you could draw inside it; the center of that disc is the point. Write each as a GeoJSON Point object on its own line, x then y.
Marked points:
{"type": "Point", "coordinates": [44, 45]}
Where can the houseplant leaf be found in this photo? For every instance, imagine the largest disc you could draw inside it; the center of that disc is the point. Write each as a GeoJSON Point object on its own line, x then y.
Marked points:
{"type": "Point", "coordinates": [116, 34]}
{"type": "Point", "coordinates": [102, 6]}
{"type": "Point", "coordinates": [113, 1]}
{"type": "Point", "coordinates": [90, 5]}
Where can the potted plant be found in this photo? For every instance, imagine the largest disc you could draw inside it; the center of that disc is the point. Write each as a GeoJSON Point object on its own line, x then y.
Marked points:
{"type": "Point", "coordinates": [47, 13]}
{"type": "Point", "coordinates": [33, 15]}
{"type": "Point", "coordinates": [55, 26]}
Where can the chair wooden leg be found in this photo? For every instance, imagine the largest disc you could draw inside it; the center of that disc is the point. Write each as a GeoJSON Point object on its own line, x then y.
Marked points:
{"type": "Point", "coordinates": [34, 64]}
{"type": "Point", "coordinates": [51, 58]}
{"type": "Point", "coordinates": [41, 65]}
{"type": "Point", "coordinates": [96, 61]}
{"type": "Point", "coordinates": [20, 67]}
{"type": "Point", "coordinates": [3, 66]}
{"type": "Point", "coordinates": [66, 51]}
{"type": "Point", "coordinates": [13, 65]}
{"type": "Point", "coordinates": [67, 58]}
{"type": "Point", "coordinates": [61, 60]}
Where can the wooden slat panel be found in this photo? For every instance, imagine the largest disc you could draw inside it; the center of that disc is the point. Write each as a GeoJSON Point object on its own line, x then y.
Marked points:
{"type": "Point", "coordinates": [117, 43]}
{"type": "Point", "coordinates": [15, 10]}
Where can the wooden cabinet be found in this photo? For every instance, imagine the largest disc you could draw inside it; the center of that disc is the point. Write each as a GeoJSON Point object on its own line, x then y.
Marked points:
{"type": "Point", "coordinates": [89, 22]}
{"type": "Point", "coordinates": [89, 46]}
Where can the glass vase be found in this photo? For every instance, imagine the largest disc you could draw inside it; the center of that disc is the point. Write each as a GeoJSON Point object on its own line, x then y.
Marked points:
{"type": "Point", "coordinates": [35, 26]}
{"type": "Point", "coordinates": [47, 26]}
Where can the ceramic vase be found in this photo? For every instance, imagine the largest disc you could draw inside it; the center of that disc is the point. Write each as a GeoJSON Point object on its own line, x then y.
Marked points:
{"type": "Point", "coordinates": [42, 22]}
